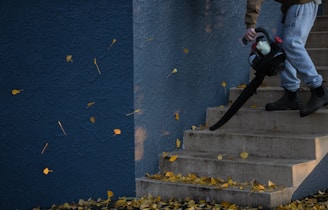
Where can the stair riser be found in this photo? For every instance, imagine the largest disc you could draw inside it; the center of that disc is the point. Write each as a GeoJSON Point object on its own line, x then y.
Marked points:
{"type": "Point", "coordinates": [239, 171]}
{"type": "Point", "coordinates": [274, 81]}
{"type": "Point", "coordinates": [321, 24]}
{"type": "Point", "coordinates": [317, 40]}
{"type": "Point", "coordinates": [258, 119]}
{"type": "Point", "coordinates": [258, 145]}
{"type": "Point", "coordinates": [319, 56]}
{"type": "Point", "coordinates": [242, 198]}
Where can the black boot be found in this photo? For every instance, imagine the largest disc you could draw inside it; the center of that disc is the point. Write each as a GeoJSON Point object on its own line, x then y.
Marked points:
{"type": "Point", "coordinates": [319, 98]}
{"type": "Point", "coordinates": [290, 101]}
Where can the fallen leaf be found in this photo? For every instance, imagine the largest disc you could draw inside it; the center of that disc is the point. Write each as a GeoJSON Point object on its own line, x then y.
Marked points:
{"type": "Point", "coordinates": [113, 42]}
{"type": "Point", "coordinates": [69, 58]}
{"type": "Point", "coordinates": [225, 185]}
{"type": "Point", "coordinates": [46, 171]}
{"type": "Point", "coordinates": [177, 116]}
{"type": "Point", "coordinates": [16, 91]}
{"type": "Point", "coordinates": [220, 156]}
{"type": "Point", "coordinates": [93, 119]}
{"type": "Point", "coordinates": [178, 143]}
{"type": "Point", "coordinates": [90, 104]}
{"type": "Point", "coordinates": [224, 85]}
{"type": "Point", "coordinates": [95, 62]}
{"type": "Point", "coordinates": [185, 50]}
{"type": "Point", "coordinates": [173, 158]}
{"type": "Point", "coordinates": [175, 70]}
{"type": "Point", "coordinates": [135, 111]}
{"type": "Point", "coordinates": [117, 131]}
{"type": "Point", "coordinates": [110, 194]}
{"type": "Point", "coordinates": [244, 155]}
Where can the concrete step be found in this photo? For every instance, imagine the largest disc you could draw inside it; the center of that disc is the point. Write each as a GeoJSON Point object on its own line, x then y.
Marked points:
{"type": "Point", "coordinates": [265, 95]}
{"type": "Point", "coordinates": [321, 24]}
{"type": "Point", "coordinates": [287, 172]}
{"type": "Point", "coordinates": [168, 190]}
{"type": "Point", "coordinates": [318, 39]}
{"type": "Point", "coordinates": [275, 80]}
{"type": "Point", "coordinates": [319, 56]}
{"type": "Point", "coordinates": [282, 121]}
{"type": "Point", "coordinates": [231, 142]}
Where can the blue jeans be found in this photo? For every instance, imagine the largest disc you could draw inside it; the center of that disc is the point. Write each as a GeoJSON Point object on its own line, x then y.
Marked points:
{"type": "Point", "coordinates": [294, 31]}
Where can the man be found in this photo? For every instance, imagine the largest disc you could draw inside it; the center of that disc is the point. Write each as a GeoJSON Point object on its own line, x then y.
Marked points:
{"type": "Point", "coordinates": [297, 20]}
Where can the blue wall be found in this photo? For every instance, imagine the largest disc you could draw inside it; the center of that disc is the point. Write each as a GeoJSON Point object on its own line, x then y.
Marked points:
{"type": "Point", "coordinates": [211, 30]}
{"type": "Point", "coordinates": [35, 38]}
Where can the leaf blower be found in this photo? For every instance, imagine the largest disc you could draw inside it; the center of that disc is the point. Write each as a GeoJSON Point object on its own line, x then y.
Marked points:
{"type": "Point", "coordinates": [267, 58]}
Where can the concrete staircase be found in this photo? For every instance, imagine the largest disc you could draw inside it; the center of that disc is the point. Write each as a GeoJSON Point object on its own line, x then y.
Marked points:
{"type": "Point", "coordinates": [282, 147]}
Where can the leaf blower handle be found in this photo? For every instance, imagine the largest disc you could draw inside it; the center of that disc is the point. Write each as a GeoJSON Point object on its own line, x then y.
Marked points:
{"type": "Point", "coordinates": [260, 30]}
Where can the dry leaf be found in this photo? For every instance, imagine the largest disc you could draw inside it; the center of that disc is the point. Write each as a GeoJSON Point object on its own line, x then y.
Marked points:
{"type": "Point", "coordinates": [220, 156]}
{"type": "Point", "coordinates": [117, 132]}
{"type": "Point", "coordinates": [110, 194]}
{"type": "Point", "coordinates": [175, 70]}
{"type": "Point", "coordinates": [178, 143]}
{"type": "Point", "coordinates": [135, 111]}
{"type": "Point", "coordinates": [16, 91]}
{"type": "Point", "coordinates": [90, 104]}
{"type": "Point", "coordinates": [193, 127]}
{"type": "Point", "coordinates": [177, 116]}
{"type": "Point", "coordinates": [93, 119]}
{"type": "Point", "coordinates": [244, 155]}
{"type": "Point", "coordinates": [113, 42]}
{"type": "Point", "coordinates": [185, 50]}
{"type": "Point", "coordinates": [46, 171]}
{"type": "Point", "coordinates": [69, 58]}
{"type": "Point", "coordinates": [95, 62]}
{"type": "Point", "coordinates": [225, 185]}
{"type": "Point", "coordinates": [173, 158]}
{"type": "Point", "coordinates": [243, 86]}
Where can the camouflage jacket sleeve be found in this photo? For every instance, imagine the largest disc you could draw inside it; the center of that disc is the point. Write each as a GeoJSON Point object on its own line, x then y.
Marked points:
{"type": "Point", "coordinates": [253, 9]}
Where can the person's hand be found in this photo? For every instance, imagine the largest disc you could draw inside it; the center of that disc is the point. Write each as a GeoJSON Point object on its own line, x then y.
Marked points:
{"type": "Point", "coordinates": [250, 34]}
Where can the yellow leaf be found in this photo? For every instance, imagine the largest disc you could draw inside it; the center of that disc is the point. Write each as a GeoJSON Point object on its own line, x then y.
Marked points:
{"type": "Point", "coordinates": [177, 116]}
{"type": "Point", "coordinates": [16, 91]}
{"type": "Point", "coordinates": [220, 156]}
{"type": "Point", "coordinates": [69, 58]}
{"type": "Point", "coordinates": [92, 119]}
{"type": "Point", "coordinates": [271, 184]}
{"type": "Point", "coordinates": [213, 181]}
{"type": "Point", "coordinates": [173, 158]}
{"type": "Point", "coordinates": [113, 42]}
{"type": "Point", "coordinates": [135, 111]}
{"type": "Point", "coordinates": [90, 104]}
{"type": "Point", "coordinates": [117, 131]}
{"type": "Point", "coordinates": [46, 171]}
{"type": "Point", "coordinates": [224, 85]}
{"type": "Point", "coordinates": [169, 174]}
{"type": "Point", "coordinates": [243, 86]}
{"type": "Point", "coordinates": [186, 50]}
{"type": "Point", "coordinates": [95, 62]}
{"type": "Point", "coordinates": [110, 194]}
{"type": "Point", "coordinates": [175, 70]}
{"type": "Point", "coordinates": [244, 155]}
{"type": "Point", "coordinates": [178, 143]}
{"type": "Point", "coordinates": [225, 185]}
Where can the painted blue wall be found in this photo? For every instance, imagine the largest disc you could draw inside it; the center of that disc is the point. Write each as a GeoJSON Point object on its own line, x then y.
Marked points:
{"type": "Point", "coordinates": [35, 38]}
{"type": "Point", "coordinates": [211, 30]}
